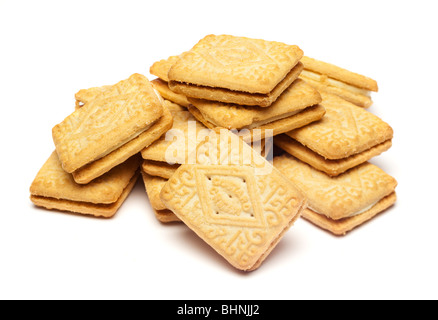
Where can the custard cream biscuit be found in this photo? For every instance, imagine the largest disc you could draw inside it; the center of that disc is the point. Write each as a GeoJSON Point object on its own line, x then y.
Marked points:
{"type": "Point", "coordinates": [237, 64]}
{"type": "Point", "coordinates": [340, 203]}
{"type": "Point", "coordinates": [53, 188]}
{"type": "Point", "coordinates": [296, 107]}
{"type": "Point", "coordinates": [346, 132]}
{"type": "Point", "coordinates": [105, 124]}
{"type": "Point", "coordinates": [236, 97]}
{"type": "Point", "coordinates": [96, 168]}
{"type": "Point", "coordinates": [234, 200]}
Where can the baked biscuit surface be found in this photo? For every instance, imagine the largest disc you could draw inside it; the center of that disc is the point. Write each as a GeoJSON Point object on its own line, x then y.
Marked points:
{"type": "Point", "coordinates": [237, 209]}
{"type": "Point", "coordinates": [345, 130]}
{"type": "Point", "coordinates": [105, 123]}
{"type": "Point", "coordinates": [342, 196]}
{"type": "Point", "coordinates": [236, 63]}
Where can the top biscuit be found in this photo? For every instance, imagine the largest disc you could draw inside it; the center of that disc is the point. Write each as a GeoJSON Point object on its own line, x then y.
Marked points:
{"type": "Point", "coordinates": [233, 199]}
{"type": "Point", "coordinates": [236, 63]}
{"type": "Point", "coordinates": [106, 123]}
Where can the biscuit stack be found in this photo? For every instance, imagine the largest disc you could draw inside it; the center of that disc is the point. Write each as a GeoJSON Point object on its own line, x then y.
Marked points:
{"type": "Point", "coordinates": [328, 159]}
{"type": "Point", "coordinates": [216, 181]}
{"type": "Point", "coordinates": [239, 83]}
{"type": "Point", "coordinates": [96, 160]}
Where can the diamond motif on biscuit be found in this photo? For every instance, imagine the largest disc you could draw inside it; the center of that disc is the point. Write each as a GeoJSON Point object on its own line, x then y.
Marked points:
{"type": "Point", "coordinates": [228, 197]}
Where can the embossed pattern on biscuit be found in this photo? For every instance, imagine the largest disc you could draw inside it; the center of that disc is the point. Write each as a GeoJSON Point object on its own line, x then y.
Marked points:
{"type": "Point", "coordinates": [240, 211]}
{"type": "Point", "coordinates": [106, 123]}
{"type": "Point", "coordinates": [236, 63]}
{"type": "Point", "coordinates": [338, 197]}
{"type": "Point", "coordinates": [345, 130]}
{"type": "Point", "coordinates": [236, 212]}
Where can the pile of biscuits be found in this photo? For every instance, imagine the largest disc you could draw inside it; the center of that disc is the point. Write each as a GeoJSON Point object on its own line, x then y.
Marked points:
{"type": "Point", "coordinates": [201, 135]}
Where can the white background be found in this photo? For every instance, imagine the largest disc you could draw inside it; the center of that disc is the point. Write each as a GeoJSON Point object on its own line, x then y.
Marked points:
{"type": "Point", "coordinates": [51, 49]}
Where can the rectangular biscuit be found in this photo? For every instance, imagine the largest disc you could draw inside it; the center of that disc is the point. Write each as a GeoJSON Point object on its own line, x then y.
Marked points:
{"type": "Point", "coordinates": [236, 97]}
{"type": "Point", "coordinates": [105, 124]}
{"type": "Point", "coordinates": [290, 111]}
{"type": "Point", "coordinates": [308, 115]}
{"type": "Point", "coordinates": [342, 226]}
{"type": "Point", "coordinates": [234, 200]}
{"type": "Point", "coordinates": [53, 188]}
{"type": "Point", "coordinates": [331, 167]}
{"type": "Point", "coordinates": [96, 168]}
{"type": "Point", "coordinates": [236, 63]}
{"type": "Point", "coordinates": [344, 131]}
{"type": "Point", "coordinates": [230, 116]}
{"type": "Point", "coordinates": [348, 195]}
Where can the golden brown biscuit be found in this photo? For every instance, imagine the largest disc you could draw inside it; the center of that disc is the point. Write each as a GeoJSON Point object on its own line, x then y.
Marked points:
{"type": "Point", "coordinates": [331, 167]}
{"type": "Point", "coordinates": [236, 97]}
{"type": "Point", "coordinates": [342, 226]}
{"type": "Point", "coordinates": [96, 168]}
{"type": "Point", "coordinates": [237, 64]}
{"type": "Point", "coordinates": [230, 116]}
{"type": "Point", "coordinates": [348, 85]}
{"type": "Point", "coordinates": [53, 188]}
{"type": "Point", "coordinates": [105, 124]}
{"type": "Point", "coordinates": [344, 131]}
{"type": "Point", "coordinates": [293, 109]}
{"type": "Point", "coordinates": [353, 193]}
{"type": "Point", "coordinates": [274, 128]}
{"type": "Point", "coordinates": [234, 200]}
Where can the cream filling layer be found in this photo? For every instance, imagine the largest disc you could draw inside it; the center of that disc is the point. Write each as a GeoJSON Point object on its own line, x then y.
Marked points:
{"type": "Point", "coordinates": [351, 215]}
{"type": "Point", "coordinates": [335, 83]}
